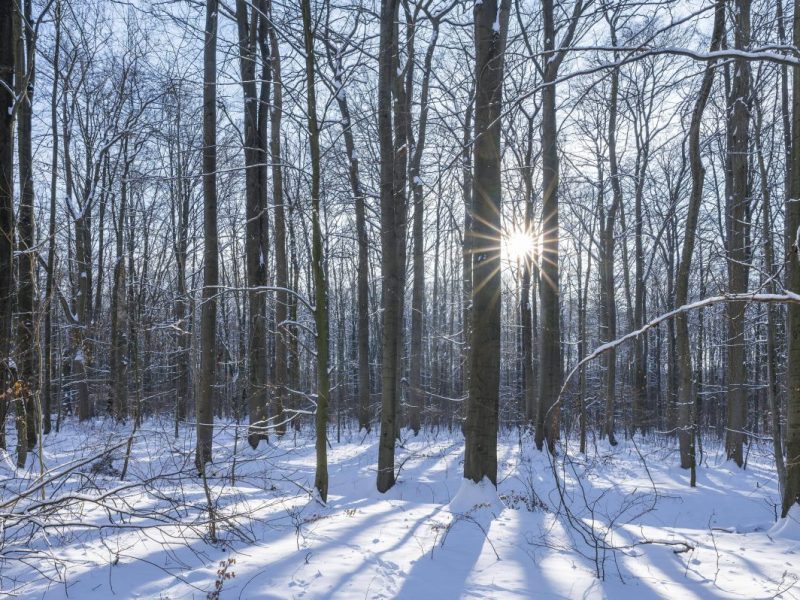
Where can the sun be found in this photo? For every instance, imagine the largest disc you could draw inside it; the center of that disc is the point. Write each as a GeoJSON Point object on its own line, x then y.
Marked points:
{"type": "Point", "coordinates": [518, 245]}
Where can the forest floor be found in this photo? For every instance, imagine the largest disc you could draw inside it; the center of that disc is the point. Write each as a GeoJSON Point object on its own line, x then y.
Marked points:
{"type": "Point", "coordinates": [625, 525]}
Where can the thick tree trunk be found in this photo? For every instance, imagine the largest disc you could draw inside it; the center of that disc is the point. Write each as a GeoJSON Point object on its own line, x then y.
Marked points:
{"type": "Point", "coordinates": [401, 89]}
{"type": "Point", "coordinates": [391, 267]}
{"type": "Point", "coordinates": [81, 356]}
{"type": "Point", "coordinates": [550, 342]}
{"type": "Point", "coordinates": [480, 454]}
{"type": "Point", "coordinates": [251, 34]}
{"type": "Point", "coordinates": [6, 199]}
{"type": "Point", "coordinates": [737, 225]}
{"type": "Point", "coordinates": [27, 335]}
{"type": "Point", "coordinates": [791, 495]}
{"type": "Point", "coordinates": [208, 316]}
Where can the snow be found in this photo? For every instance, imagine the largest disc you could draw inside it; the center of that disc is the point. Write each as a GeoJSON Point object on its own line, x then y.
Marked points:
{"type": "Point", "coordinates": [797, 239]}
{"type": "Point", "coordinates": [473, 496]}
{"type": "Point", "coordinates": [625, 513]}
{"type": "Point", "coordinates": [788, 528]}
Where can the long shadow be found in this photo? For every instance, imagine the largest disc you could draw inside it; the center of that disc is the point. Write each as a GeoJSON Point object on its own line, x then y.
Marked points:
{"type": "Point", "coordinates": [443, 572]}
{"type": "Point", "coordinates": [341, 538]}
{"type": "Point", "coordinates": [532, 550]}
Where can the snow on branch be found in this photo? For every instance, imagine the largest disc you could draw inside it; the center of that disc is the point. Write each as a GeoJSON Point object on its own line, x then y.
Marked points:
{"type": "Point", "coordinates": [786, 297]}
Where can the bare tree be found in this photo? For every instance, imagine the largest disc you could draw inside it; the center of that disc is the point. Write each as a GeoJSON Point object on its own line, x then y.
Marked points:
{"type": "Point", "coordinates": [791, 494]}
{"type": "Point", "coordinates": [251, 24]}
{"type": "Point", "coordinates": [685, 387]}
{"type": "Point", "coordinates": [392, 269]}
{"type": "Point", "coordinates": [480, 432]}
{"type": "Point", "coordinates": [208, 319]}
{"type": "Point", "coordinates": [6, 200]}
{"type": "Point", "coordinates": [317, 266]}
{"type": "Point", "coordinates": [738, 232]}
{"type": "Point", "coordinates": [550, 359]}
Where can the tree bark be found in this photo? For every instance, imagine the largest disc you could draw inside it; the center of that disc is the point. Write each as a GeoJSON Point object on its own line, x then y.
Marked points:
{"type": "Point", "coordinates": [791, 495]}
{"type": "Point", "coordinates": [480, 454]}
{"type": "Point", "coordinates": [6, 199]}
{"type": "Point", "coordinates": [27, 335]}
{"type": "Point", "coordinates": [251, 35]}
{"type": "Point", "coordinates": [183, 319]}
{"type": "Point", "coordinates": [119, 306]}
{"type": "Point", "coordinates": [738, 234]}
{"type": "Point", "coordinates": [47, 391]}
{"type": "Point", "coordinates": [466, 249]}
{"type": "Point", "coordinates": [317, 266]}
{"type": "Point", "coordinates": [526, 314]}
{"type": "Point", "coordinates": [279, 215]}
{"type": "Point", "coordinates": [416, 396]}
{"type": "Point", "coordinates": [208, 316]}
{"type": "Point", "coordinates": [683, 351]}
{"type": "Point", "coordinates": [607, 251]}
{"type": "Point", "coordinates": [390, 267]}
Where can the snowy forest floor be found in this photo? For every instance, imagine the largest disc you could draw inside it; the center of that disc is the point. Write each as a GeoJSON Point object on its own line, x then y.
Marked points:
{"type": "Point", "coordinates": [626, 514]}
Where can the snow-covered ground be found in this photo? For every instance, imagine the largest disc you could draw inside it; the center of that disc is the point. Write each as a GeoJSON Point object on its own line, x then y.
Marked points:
{"type": "Point", "coordinates": [625, 524]}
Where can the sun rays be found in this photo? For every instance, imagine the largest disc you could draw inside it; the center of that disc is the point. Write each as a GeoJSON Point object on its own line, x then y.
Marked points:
{"type": "Point", "coordinates": [519, 245]}
{"type": "Point", "coordinates": [515, 245]}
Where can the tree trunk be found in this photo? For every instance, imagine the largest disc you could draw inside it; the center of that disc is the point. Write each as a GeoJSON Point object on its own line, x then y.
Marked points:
{"type": "Point", "coordinates": [401, 126]}
{"type": "Point", "coordinates": [362, 276]}
{"type": "Point", "coordinates": [480, 454]}
{"type": "Point", "coordinates": [641, 412]}
{"type": "Point", "coordinates": [281, 264]}
{"type": "Point", "coordinates": [466, 250]}
{"type": "Point", "coordinates": [119, 307]}
{"type": "Point", "coordinates": [251, 34]}
{"type": "Point", "coordinates": [208, 316]}
{"type": "Point", "coordinates": [550, 341]}
{"type": "Point", "coordinates": [791, 495]}
{"type": "Point", "coordinates": [183, 313]}
{"type": "Point", "coordinates": [6, 199]}
{"type": "Point", "coordinates": [416, 397]}
{"type": "Point", "coordinates": [683, 351]}
{"type": "Point", "coordinates": [526, 317]}
{"type": "Point", "coordinates": [47, 391]}
{"type": "Point", "coordinates": [607, 253]}
{"type": "Point", "coordinates": [390, 267]}
{"type": "Point", "coordinates": [737, 225]}
{"type": "Point", "coordinates": [27, 334]}
{"type": "Point", "coordinates": [317, 266]}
